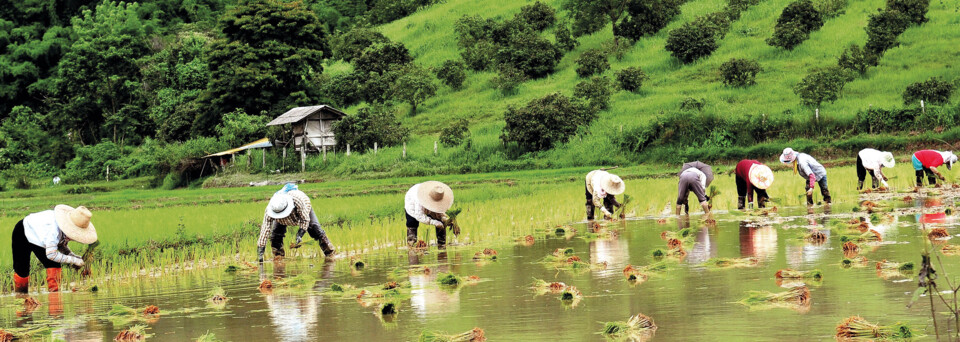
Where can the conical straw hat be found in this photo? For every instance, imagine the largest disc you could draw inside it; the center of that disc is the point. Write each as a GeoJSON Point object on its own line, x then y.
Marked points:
{"type": "Point", "coordinates": [613, 185]}
{"type": "Point", "coordinates": [75, 223]}
{"type": "Point", "coordinates": [761, 176]}
{"type": "Point", "coordinates": [435, 196]}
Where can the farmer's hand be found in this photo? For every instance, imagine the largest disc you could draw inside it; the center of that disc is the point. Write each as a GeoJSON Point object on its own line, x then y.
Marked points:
{"type": "Point", "coordinates": [86, 272]}
{"type": "Point", "coordinates": [299, 239]}
{"type": "Point", "coordinates": [438, 224]}
{"type": "Point", "coordinates": [810, 192]}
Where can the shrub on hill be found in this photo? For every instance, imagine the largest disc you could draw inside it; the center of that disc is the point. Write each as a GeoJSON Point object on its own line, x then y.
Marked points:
{"type": "Point", "coordinates": [796, 22]}
{"type": "Point", "coordinates": [646, 17]}
{"type": "Point", "coordinates": [883, 28]}
{"type": "Point", "coordinates": [485, 43]}
{"type": "Point", "coordinates": [349, 45]}
{"type": "Point", "coordinates": [916, 10]}
{"type": "Point", "coordinates": [380, 58]}
{"type": "Point", "coordinates": [595, 91]}
{"type": "Point", "coordinates": [370, 125]}
{"type": "Point", "coordinates": [452, 73]}
{"type": "Point", "coordinates": [739, 72]}
{"type": "Point", "coordinates": [591, 62]}
{"type": "Point", "coordinates": [412, 84]}
{"type": "Point", "coordinates": [857, 59]}
{"type": "Point", "coordinates": [456, 133]}
{"type": "Point", "coordinates": [931, 91]}
{"type": "Point", "coordinates": [822, 85]}
{"type": "Point", "coordinates": [565, 39]}
{"type": "Point", "coordinates": [537, 16]}
{"type": "Point", "coordinates": [530, 53]}
{"type": "Point", "coordinates": [631, 79]}
{"type": "Point", "coordinates": [508, 79]}
{"type": "Point", "coordinates": [691, 41]}
{"type": "Point", "coordinates": [544, 122]}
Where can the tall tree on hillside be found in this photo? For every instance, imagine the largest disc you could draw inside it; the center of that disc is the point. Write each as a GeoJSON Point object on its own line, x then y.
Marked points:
{"type": "Point", "coordinates": [590, 16]}
{"type": "Point", "coordinates": [268, 54]}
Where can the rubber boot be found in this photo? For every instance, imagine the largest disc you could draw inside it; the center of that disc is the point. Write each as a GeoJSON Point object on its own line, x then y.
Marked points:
{"type": "Point", "coordinates": [932, 180]}
{"type": "Point", "coordinates": [590, 212]}
{"type": "Point", "coordinates": [919, 178]}
{"type": "Point", "coordinates": [762, 202]}
{"type": "Point", "coordinates": [859, 185]}
{"type": "Point", "coordinates": [20, 284]}
{"type": "Point", "coordinates": [411, 236]}
{"type": "Point", "coordinates": [741, 201]}
{"type": "Point", "coordinates": [826, 196]}
{"type": "Point", "coordinates": [53, 279]}
{"type": "Point", "coordinates": [875, 183]}
{"type": "Point", "coordinates": [279, 252]}
{"type": "Point", "coordinates": [327, 246]}
{"type": "Point", "coordinates": [442, 238]}
{"type": "Point", "coordinates": [809, 199]}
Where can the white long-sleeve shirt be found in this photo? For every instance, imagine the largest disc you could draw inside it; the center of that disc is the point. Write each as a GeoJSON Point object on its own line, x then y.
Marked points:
{"type": "Point", "coordinates": [411, 204]}
{"type": "Point", "coordinates": [41, 229]}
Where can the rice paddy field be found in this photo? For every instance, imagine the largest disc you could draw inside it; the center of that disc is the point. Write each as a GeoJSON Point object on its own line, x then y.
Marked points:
{"type": "Point", "coordinates": [716, 281]}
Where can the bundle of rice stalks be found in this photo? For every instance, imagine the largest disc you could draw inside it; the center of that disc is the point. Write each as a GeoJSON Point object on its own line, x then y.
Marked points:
{"type": "Point", "coordinates": [816, 237]}
{"type": "Point", "coordinates": [302, 282]}
{"type": "Point", "coordinates": [680, 234]}
{"type": "Point", "coordinates": [850, 249]}
{"type": "Point", "coordinates": [244, 266]}
{"type": "Point", "coordinates": [794, 298]}
{"type": "Point", "coordinates": [855, 262]}
{"type": "Point", "coordinates": [639, 327]}
{"type": "Point", "coordinates": [674, 244]}
{"type": "Point", "coordinates": [357, 262]}
{"type": "Point", "coordinates": [5, 336]}
{"type": "Point", "coordinates": [208, 337]}
{"type": "Point", "coordinates": [121, 310]}
{"type": "Point", "coordinates": [30, 303]}
{"type": "Point", "coordinates": [908, 199]}
{"type": "Point", "coordinates": [265, 285]}
{"type": "Point", "coordinates": [562, 253]}
{"type": "Point", "coordinates": [938, 234]}
{"type": "Point", "coordinates": [390, 285]}
{"type": "Point", "coordinates": [890, 265]}
{"type": "Point", "coordinates": [542, 287]}
{"type": "Point", "coordinates": [793, 274]}
{"type": "Point", "coordinates": [871, 206]}
{"type": "Point", "coordinates": [855, 327]}
{"type": "Point", "coordinates": [562, 230]}
{"type": "Point", "coordinates": [621, 211]}
{"type": "Point", "coordinates": [950, 250]}
{"type": "Point", "coordinates": [678, 253]}
{"type": "Point", "coordinates": [420, 245]}
{"type": "Point", "coordinates": [528, 240]}
{"type": "Point", "coordinates": [570, 293]}
{"type": "Point", "coordinates": [868, 236]}
{"type": "Point", "coordinates": [135, 333]}
{"type": "Point", "coordinates": [389, 308]}
{"type": "Point", "coordinates": [151, 310]}
{"type": "Point", "coordinates": [485, 254]}
{"type": "Point", "coordinates": [733, 262]}
{"type": "Point", "coordinates": [451, 221]}
{"type": "Point", "coordinates": [218, 295]}
{"type": "Point", "coordinates": [449, 279]}
{"type": "Point", "coordinates": [26, 333]}
{"type": "Point", "coordinates": [475, 335]}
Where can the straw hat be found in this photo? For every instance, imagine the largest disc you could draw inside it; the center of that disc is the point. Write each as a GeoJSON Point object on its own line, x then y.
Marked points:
{"type": "Point", "coordinates": [75, 223]}
{"type": "Point", "coordinates": [888, 160]}
{"type": "Point", "coordinates": [435, 196]}
{"type": "Point", "coordinates": [612, 184]}
{"type": "Point", "coordinates": [761, 176]}
{"type": "Point", "coordinates": [788, 155]}
{"type": "Point", "coordinates": [951, 158]}
{"type": "Point", "coordinates": [280, 206]}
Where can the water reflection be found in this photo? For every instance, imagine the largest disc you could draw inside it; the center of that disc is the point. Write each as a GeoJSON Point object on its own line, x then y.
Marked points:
{"type": "Point", "coordinates": [703, 248]}
{"type": "Point", "coordinates": [757, 241]}
{"type": "Point", "coordinates": [294, 315]}
{"type": "Point", "coordinates": [615, 252]}
{"type": "Point", "coordinates": [427, 298]}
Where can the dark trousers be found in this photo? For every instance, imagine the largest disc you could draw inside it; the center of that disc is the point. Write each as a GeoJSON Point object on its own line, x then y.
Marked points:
{"type": "Point", "coordinates": [823, 189]}
{"type": "Point", "coordinates": [412, 227]}
{"type": "Point", "coordinates": [862, 174]}
{"type": "Point", "coordinates": [314, 229]}
{"type": "Point", "coordinates": [762, 196]}
{"type": "Point", "coordinates": [932, 177]}
{"type": "Point", "coordinates": [21, 253]}
{"type": "Point", "coordinates": [607, 203]}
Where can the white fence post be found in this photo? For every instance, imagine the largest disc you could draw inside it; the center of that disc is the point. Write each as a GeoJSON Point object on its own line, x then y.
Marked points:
{"type": "Point", "coordinates": [374, 148]}
{"type": "Point", "coordinates": [348, 149]}
{"type": "Point", "coordinates": [434, 147]}
{"type": "Point", "coordinates": [404, 149]}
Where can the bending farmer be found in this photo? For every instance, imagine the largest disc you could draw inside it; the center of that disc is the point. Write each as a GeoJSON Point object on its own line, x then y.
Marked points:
{"type": "Point", "coordinates": [809, 169]}
{"type": "Point", "coordinates": [927, 161]}
{"type": "Point", "coordinates": [602, 189]}
{"type": "Point", "coordinates": [695, 177]}
{"type": "Point", "coordinates": [873, 160]}
{"type": "Point", "coordinates": [290, 207]}
{"type": "Point", "coordinates": [46, 234]}
{"type": "Point", "coordinates": [752, 177]}
{"type": "Point", "coordinates": [428, 202]}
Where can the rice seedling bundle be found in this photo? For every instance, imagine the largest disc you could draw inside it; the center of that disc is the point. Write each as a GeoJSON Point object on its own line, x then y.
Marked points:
{"type": "Point", "coordinates": [390, 285]}
{"type": "Point", "coordinates": [856, 327]}
{"type": "Point", "coordinates": [793, 274]}
{"type": "Point", "coordinates": [266, 284]}
{"type": "Point", "coordinates": [357, 262]}
{"type": "Point", "coordinates": [680, 234]}
{"type": "Point", "coordinates": [135, 333]}
{"type": "Point", "coordinates": [850, 249]}
{"type": "Point", "coordinates": [950, 250]}
{"type": "Point", "coordinates": [528, 240]}
{"type": "Point", "coordinates": [208, 337]}
{"type": "Point", "coordinates": [25, 333]}
{"type": "Point", "coordinates": [733, 262]}
{"type": "Point", "coordinates": [389, 308]}
{"type": "Point", "coordinates": [799, 296]}
{"type": "Point", "coordinates": [542, 287]}
{"type": "Point", "coordinates": [816, 237]}
{"type": "Point", "coordinates": [870, 235]}
{"type": "Point", "coordinates": [938, 234]}
{"type": "Point", "coordinates": [30, 302]}
{"type": "Point", "coordinates": [855, 261]}
{"type": "Point", "coordinates": [451, 221]}
{"type": "Point", "coordinates": [218, 295]}
{"type": "Point", "coordinates": [890, 265]}
{"type": "Point", "coordinates": [151, 310]}
{"type": "Point", "coordinates": [638, 328]}
{"type": "Point", "coordinates": [475, 335]}
{"type": "Point", "coordinates": [678, 253]}
{"type": "Point", "coordinates": [485, 254]}
{"type": "Point", "coordinates": [449, 279]}
{"type": "Point", "coordinates": [121, 310]}
{"type": "Point", "coordinates": [570, 293]}
{"type": "Point", "coordinates": [674, 244]}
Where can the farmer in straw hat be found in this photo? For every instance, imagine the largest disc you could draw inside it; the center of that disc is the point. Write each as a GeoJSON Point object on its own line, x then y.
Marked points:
{"type": "Point", "coordinates": [694, 177]}
{"type": "Point", "coordinates": [873, 160]}
{"type": "Point", "coordinates": [290, 207]}
{"type": "Point", "coordinates": [809, 169]}
{"type": "Point", "coordinates": [428, 203]}
{"type": "Point", "coordinates": [752, 177]}
{"type": "Point", "coordinates": [602, 189]}
{"type": "Point", "coordinates": [928, 161]}
{"type": "Point", "coordinates": [46, 234]}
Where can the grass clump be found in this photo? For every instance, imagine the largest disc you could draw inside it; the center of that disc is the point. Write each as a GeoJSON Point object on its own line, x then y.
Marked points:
{"type": "Point", "coordinates": [474, 335]}
{"type": "Point", "coordinates": [787, 273]}
{"type": "Point", "coordinates": [856, 327]}
{"type": "Point", "coordinates": [639, 327]}
{"type": "Point", "coordinates": [134, 333]}
{"type": "Point", "coordinates": [733, 262]}
{"type": "Point", "coordinates": [208, 337]}
{"type": "Point", "coordinates": [449, 279]}
{"type": "Point", "coordinates": [542, 287]}
{"type": "Point", "coordinates": [797, 298]}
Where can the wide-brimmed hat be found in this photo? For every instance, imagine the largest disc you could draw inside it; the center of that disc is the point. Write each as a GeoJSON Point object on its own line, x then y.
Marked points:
{"type": "Point", "coordinates": [280, 206]}
{"type": "Point", "coordinates": [951, 158]}
{"type": "Point", "coordinates": [75, 223]}
{"type": "Point", "coordinates": [788, 155]}
{"type": "Point", "coordinates": [435, 196]}
{"type": "Point", "coordinates": [888, 160]}
{"type": "Point", "coordinates": [612, 184]}
{"type": "Point", "coordinates": [761, 176]}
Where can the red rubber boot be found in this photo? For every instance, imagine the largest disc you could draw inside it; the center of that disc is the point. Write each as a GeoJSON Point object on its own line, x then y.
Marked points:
{"type": "Point", "coordinates": [20, 284]}
{"type": "Point", "coordinates": [53, 279]}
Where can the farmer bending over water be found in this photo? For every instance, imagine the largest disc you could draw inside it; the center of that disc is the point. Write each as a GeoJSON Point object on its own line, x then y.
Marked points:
{"type": "Point", "coordinates": [428, 203]}
{"type": "Point", "coordinates": [809, 169]}
{"type": "Point", "coordinates": [752, 177]}
{"type": "Point", "coordinates": [602, 189]}
{"type": "Point", "coordinates": [927, 161]}
{"type": "Point", "coordinates": [46, 234]}
{"type": "Point", "coordinates": [873, 160]}
{"type": "Point", "coordinates": [695, 177]}
{"type": "Point", "coordinates": [290, 207]}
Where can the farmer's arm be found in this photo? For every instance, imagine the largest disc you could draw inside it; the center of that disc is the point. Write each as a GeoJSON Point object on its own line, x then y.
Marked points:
{"type": "Point", "coordinates": [939, 175]}
{"type": "Point", "coordinates": [266, 229]}
{"type": "Point", "coordinates": [53, 253]}
{"type": "Point", "coordinates": [882, 177]}
{"type": "Point", "coordinates": [417, 212]}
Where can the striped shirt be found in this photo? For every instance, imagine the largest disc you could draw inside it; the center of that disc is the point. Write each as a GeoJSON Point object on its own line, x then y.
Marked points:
{"type": "Point", "coordinates": [41, 229]}
{"type": "Point", "coordinates": [300, 216]}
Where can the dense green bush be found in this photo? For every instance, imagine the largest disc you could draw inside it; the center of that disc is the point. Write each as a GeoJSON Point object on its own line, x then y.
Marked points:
{"type": "Point", "coordinates": [486, 42]}
{"type": "Point", "coordinates": [857, 59]}
{"type": "Point", "coordinates": [591, 62]}
{"type": "Point", "coordinates": [530, 53]}
{"type": "Point", "coordinates": [565, 39]}
{"type": "Point", "coordinates": [739, 72]}
{"type": "Point", "coordinates": [831, 8]}
{"type": "Point", "coordinates": [878, 120]}
{"type": "Point", "coordinates": [692, 104]}
{"type": "Point", "coordinates": [537, 16]}
{"type": "Point", "coordinates": [412, 84]}
{"type": "Point", "coordinates": [349, 45]}
{"type": "Point", "coordinates": [508, 79]}
{"type": "Point", "coordinates": [646, 17]}
{"type": "Point", "coordinates": [931, 91]}
{"type": "Point", "coordinates": [691, 41]}
{"type": "Point", "coordinates": [595, 91]}
{"type": "Point", "coordinates": [344, 90]}
{"type": "Point", "coordinates": [456, 133]}
{"type": "Point", "coordinates": [385, 11]}
{"type": "Point", "coordinates": [237, 128]}
{"type": "Point", "coordinates": [916, 10]}
{"type": "Point", "coordinates": [631, 78]}
{"type": "Point", "coordinates": [822, 85]}
{"type": "Point", "coordinates": [91, 162]}
{"type": "Point", "coordinates": [452, 73]}
{"type": "Point", "coordinates": [544, 122]}
{"type": "Point", "coordinates": [796, 22]}
{"type": "Point", "coordinates": [883, 28]}
{"type": "Point", "coordinates": [380, 58]}
{"type": "Point", "coordinates": [370, 125]}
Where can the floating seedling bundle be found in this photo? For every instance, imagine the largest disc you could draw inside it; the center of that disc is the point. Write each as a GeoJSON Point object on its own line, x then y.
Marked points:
{"type": "Point", "coordinates": [265, 285]}
{"type": "Point", "coordinates": [816, 237]}
{"type": "Point", "coordinates": [453, 280]}
{"type": "Point", "coordinates": [850, 249]}
{"type": "Point", "coordinates": [218, 296]}
{"type": "Point", "coordinates": [796, 298]}
{"type": "Point", "coordinates": [868, 236]}
{"type": "Point", "coordinates": [639, 327]}
{"type": "Point", "coordinates": [121, 315]}
{"type": "Point", "coordinates": [683, 234]}
{"type": "Point", "coordinates": [855, 262]}
{"type": "Point", "coordinates": [787, 273]}
{"type": "Point", "coordinates": [357, 262]}
{"type": "Point", "coordinates": [475, 335]}
{"type": "Point", "coordinates": [639, 274]}
{"type": "Point", "coordinates": [950, 250]}
{"type": "Point", "coordinates": [938, 234]}
{"type": "Point", "coordinates": [542, 287]}
{"type": "Point", "coordinates": [733, 262]}
{"type": "Point", "coordinates": [151, 310]}
{"type": "Point", "coordinates": [855, 327]}
{"type": "Point", "coordinates": [528, 240]}
{"type": "Point", "coordinates": [134, 333]}
{"type": "Point", "coordinates": [485, 254]}
{"type": "Point", "coordinates": [25, 333]}
{"type": "Point", "coordinates": [892, 270]}
{"type": "Point", "coordinates": [570, 296]}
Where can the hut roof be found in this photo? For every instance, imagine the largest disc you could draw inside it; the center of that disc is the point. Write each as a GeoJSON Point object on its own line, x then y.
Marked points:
{"type": "Point", "coordinates": [262, 143]}
{"type": "Point", "coordinates": [297, 114]}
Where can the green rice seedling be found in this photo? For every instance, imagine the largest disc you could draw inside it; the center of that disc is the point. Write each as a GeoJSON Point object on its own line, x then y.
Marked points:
{"type": "Point", "coordinates": [208, 337]}
{"type": "Point", "coordinates": [787, 273]}
{"type": "Point", "coordinates": [797, 298]}
{"type": "Point", "coordinates": [25, 333]}
{"type": "Point", "coordinates": [890, 265]}
{"type": "Point", "coordinates": [855, 327]}
{"type": "Point", "coordinates": [854, 262]}
{"type": "Point", "coordinates": [570, 296]}
{"type": "Point", "coordinates": [621, 211]}
{"type": "Point", "coordinates": [134, 333]}
{"type": "Point", "coordinates": [218, 295]}
{"type": "Point", "coordinates": [485, 254]}
{"type": "Point", "coordinates": [389, 308]}
{"type": "Point", "coordinates": [950, 250]}
{"type": "Point", "coordinates": [639, 327]}
{"type": "Point", "coordinates": [475, 335]}
{"type": "Point", "coordinates": [301, 282]}
{"type": "Point", "coordinates": [449, 279]}
{"type": "Point", "coordinates": [542, 287]}
{"type": "Point", "coordinates": [732, 262]}
{"type": "Point", "coordinates": [451, 221]}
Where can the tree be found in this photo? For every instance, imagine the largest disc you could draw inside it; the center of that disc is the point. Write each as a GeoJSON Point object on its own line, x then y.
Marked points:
{"type": "Point", "coordinates": [857, 59]}
{"type": "Point", "coordinates": [631, 79]}
{"type": "Point", "coordinates": [595, 91]}
{"type": "Point", "coordinates": [883, 28]}
{"type": "Point", "coordinates": [537, 16]}
{"type": "Point", "coordinates": [380, 58]}
{"type": "Point", "coordinates": [268, 52]}
{"type": "Point", "coordinates": [691, 42]}
{"type": "Point", "coordinates": [565, 40]}
{"type": "Point", "coordinates": [413, 85]}
{"type": "Point", "coordinates": [821, 85]}
{"type": "Point", "coordinates": [530, 53]}
{"type": "Point", "coordinates": [590, 16]}
{"type": "Point", "coordinates": [378, 124]}
{"type": "Point", "coordinates": [349, 45]}
{"type": "Point", "coordinates": [544, 122]}
{"type": "Point", "coordinates": [452, 73]}
{"type": "Point", "coordinates": [932, 91]}
{"type": "Point", "coordinates": [739, 72]}
{"type": "Point", "coordinates": [916, 10]}
{"type": "Point", "coordinates": [508, 79]}
{"type": "Point", "coordinates": [237, 128]}
{"type": "Point", "coordinates": [456, 133]}
{"type": "Point", "coordinates": [593, 61]}
{"type": "Point", "coordinates": [646, 17]}
{"type": "Point", "coordinates": [177, 77]}
{"type": "Point", "coordinates": [796, 22]}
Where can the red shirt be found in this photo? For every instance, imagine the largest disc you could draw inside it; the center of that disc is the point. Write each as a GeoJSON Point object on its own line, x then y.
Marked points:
{"type": "Point", "coordinates": [743, 171]}
{"type": "Point", "coordinates": [929, 158]}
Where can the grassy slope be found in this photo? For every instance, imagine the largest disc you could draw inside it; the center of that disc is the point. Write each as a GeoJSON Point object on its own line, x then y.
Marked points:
{"type": "Point", "coordinates": [926, 51]}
